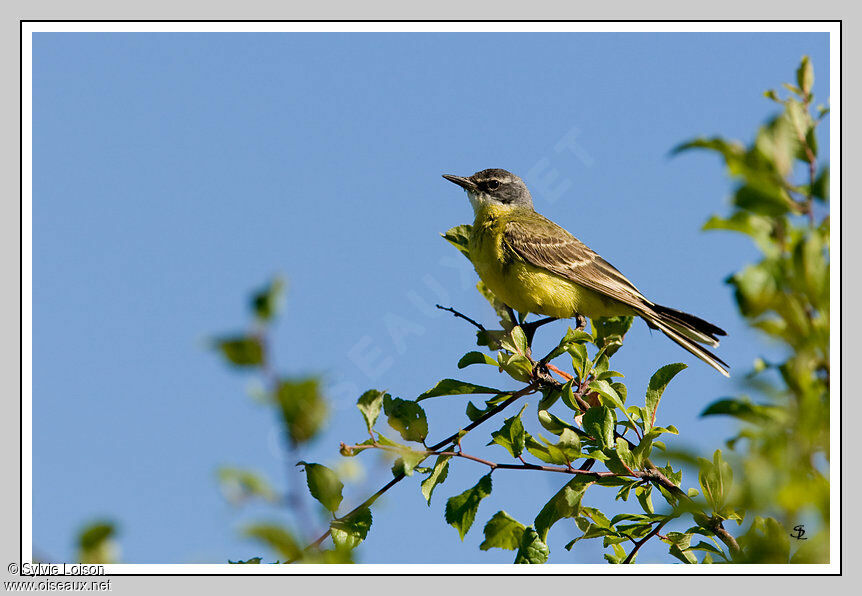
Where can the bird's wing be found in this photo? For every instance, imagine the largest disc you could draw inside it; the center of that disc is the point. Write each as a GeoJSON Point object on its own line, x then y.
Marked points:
{"type": "Point", "coordinates": [544, 244]}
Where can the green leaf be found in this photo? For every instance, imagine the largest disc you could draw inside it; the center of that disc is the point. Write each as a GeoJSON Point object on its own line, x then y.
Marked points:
{"type": "Point", "coordinates": [474, 413]}
{"type": "Point", "coordinates": [792, 88]}
{"type": "Point", "coordinates": [766, 541]}
{"type": "Point", "coordinates": [539, 451]}
{"type": "Point", "coordinates": [438, 476]}
{"type": "Point", "coordinates": [707, 547]}
{"type": "Point", "coordinates": [568, 397]}
{"type": "Point", "coordinates": [511, 435]}
{"type": "Point", "coordinates": [657, 384]}
{"type": "Point", "coordinates": [461, 509]}
{"type": "Point", "coordinates": [531, 550]}
{"type": "Point", "coordinates": [599, 423]}
{"type": "Point", "coordinates": [820, 188]}
{"type": "Point", "coordinates": [276, 538]}
{"type": "Point", "coordinates": [267, 302]}
{"type": "Point", "coordinates": [580, 360]}
{"type": "Point", "coordinates": [570, 443]}
{"type": "Point", "coordinates": [303, 408]}
{"type": "Point", "coordinates": [349, 531]}
{"type": "Point", "coordinates": [636, 517]}
{"type": "Point", "coordinates": [644, 497]}
{"type": "Point", "coordinates": [812, 268]}
{"type": "Point", "coordinates": [811, 140]}
{"type": "Point", "coordinates": [572, 337]}
{"type": "Point", "coordinates": [370, 403]}
{"type": "Point", "coordinates": [715, 479]}
{"type": "Point", "coordinates": [618, 556]}
{"type": "Point", "coordinates": [607, 392]}
{"type": "Point", "coordinates": [95, 534]}
{"type": "Point", "coordinates": [805, 75]}
{"type": "Point", "coordinates": [565, 451]}
{"type": "Point", "coordinates": [610, 332]}
{"type": "Point", "coordinates": [755, 288]}
{"type": "Point", "coordinates": [241, 351]}
{"type": "Point", "coordinates": [516, 342]}
{"type": "Point", "coordinates": [626, 488]}
{"type": "Point", "coordinates": [610, 374]}
{"type": "Point", "coordinates": [552, 423]}
{"type": "Point", "coordinates": [550, 396]}
{"type": "Point", "coordinates": [565, 503]}
{"type": "Point", "coordinates": [758, 227]}
{"type": "Point", "coordinates": [732, 152]}
{"type": "Point", "coordinates": [239, 484]}
{"type": "Point", "coordinates": [407, 417]}
{"type": "Point", "coordinates": [323, 485]}
{"type": "Point", "coordinates": [476, 358]}
{"type": "Point", "coordinates": [407, 462]}
{"type": "Point", "coordinates": [502, 531]}
{"type": "Point", "coordinates": [642, 451]}
{"type": "Point", "coordinates": [459, 237]}
{"type": "Point", "coordinates": [743, 409]}
{"type": "Point", "coordinates": [552, 453]}
{"type": "Point", "coordinates": [455, 387]}
{"type": "Point", "coordinates": [679, 547]}
{"type": "Point", "coordinates": [763, 199]}
{"type": "Point", "coordinates": [771, 157]}
{"type": "Point", "coordinates": [516, 366]}
{"type": "Point", "coordinates": [626, 456]}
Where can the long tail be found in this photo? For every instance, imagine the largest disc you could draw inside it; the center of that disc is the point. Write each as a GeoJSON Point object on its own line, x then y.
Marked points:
{"type": "Point", "coordinates": [688, 331]}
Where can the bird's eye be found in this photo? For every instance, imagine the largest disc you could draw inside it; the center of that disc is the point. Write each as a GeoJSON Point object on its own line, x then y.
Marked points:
{"type": "Point", "coordinates": [493, 185]}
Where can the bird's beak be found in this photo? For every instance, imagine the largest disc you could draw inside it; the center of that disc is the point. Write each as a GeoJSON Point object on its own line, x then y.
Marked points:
{"type": "Point", "coordinates": [464, 183]}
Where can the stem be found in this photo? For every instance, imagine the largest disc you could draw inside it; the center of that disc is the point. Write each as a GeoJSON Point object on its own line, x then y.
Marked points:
{"type": "Point", "coordinates": [293, 497]}
{"type": "Point", "coordinates": [726, 537]}
{"type": "Point", "coordinates": [643, 540]}
{"type": "Point", "coordinates": [458, 315]}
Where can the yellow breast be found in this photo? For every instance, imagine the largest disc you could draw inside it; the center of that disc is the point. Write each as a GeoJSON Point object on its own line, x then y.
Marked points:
{"type": "Point", "coordinates": [524, 287]}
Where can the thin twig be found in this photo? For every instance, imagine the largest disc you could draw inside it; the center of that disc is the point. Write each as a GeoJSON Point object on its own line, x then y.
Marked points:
{"type": "Point", "coordinates": [643, 540]}
{"type": "Point", "coordinates": [458, 315]}
{"type": "Point", "coordinates": [562, 373]}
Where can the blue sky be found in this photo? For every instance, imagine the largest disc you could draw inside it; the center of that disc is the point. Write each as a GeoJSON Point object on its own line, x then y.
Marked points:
{"type": "Point", "coordinates": [175, 173]}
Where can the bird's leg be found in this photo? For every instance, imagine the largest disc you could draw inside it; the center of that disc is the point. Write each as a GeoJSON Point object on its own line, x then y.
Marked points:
{"type": "Point", "coordinates": [540, 369]}
{"type": "Point", "coordinates": [530, 328]}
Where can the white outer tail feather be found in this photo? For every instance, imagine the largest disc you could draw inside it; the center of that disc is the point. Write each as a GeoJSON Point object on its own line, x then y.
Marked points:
{"type": "Point", "coordinates": [689, 343]}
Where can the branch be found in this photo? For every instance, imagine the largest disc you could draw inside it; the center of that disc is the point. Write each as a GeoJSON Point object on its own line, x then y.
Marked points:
{"type": "Point", "coordinates": [528, 466]}
{"type": "Point", "coordinates": [726, 537]}
{"type": "Point", "coordinates": [458, 315]}
{"type": "Point", "coordinates": [643, 540]}
{"type": "Point", "coordinates": [811, 159]}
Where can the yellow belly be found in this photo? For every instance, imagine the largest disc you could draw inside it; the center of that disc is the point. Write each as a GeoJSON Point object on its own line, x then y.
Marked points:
{"type": "Point", "coordinates": [530, 289]}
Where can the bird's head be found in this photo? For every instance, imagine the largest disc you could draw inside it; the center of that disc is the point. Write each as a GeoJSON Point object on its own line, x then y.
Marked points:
{"type": "Point", "coordinates": [494, 187]}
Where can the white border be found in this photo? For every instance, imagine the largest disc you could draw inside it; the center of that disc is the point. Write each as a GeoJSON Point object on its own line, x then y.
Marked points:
{"type": "Point", "coordinates": [421, 27]}
{"type": "Point", "coordinates": [435, 27]}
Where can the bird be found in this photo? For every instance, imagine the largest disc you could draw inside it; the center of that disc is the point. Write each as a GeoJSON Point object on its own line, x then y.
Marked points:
{"type": "Point", "coordinates": [535, 266]}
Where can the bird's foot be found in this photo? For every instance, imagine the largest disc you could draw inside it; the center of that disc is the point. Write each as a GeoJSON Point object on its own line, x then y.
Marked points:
{"type": "Point", "coordinates": [541, 373]}
{"type": "Point", "coordinates": [581, 321]}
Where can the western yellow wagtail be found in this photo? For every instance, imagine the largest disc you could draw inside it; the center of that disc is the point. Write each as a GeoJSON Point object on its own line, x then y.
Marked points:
{"type": "Point", "coordinates": [534, 266]}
